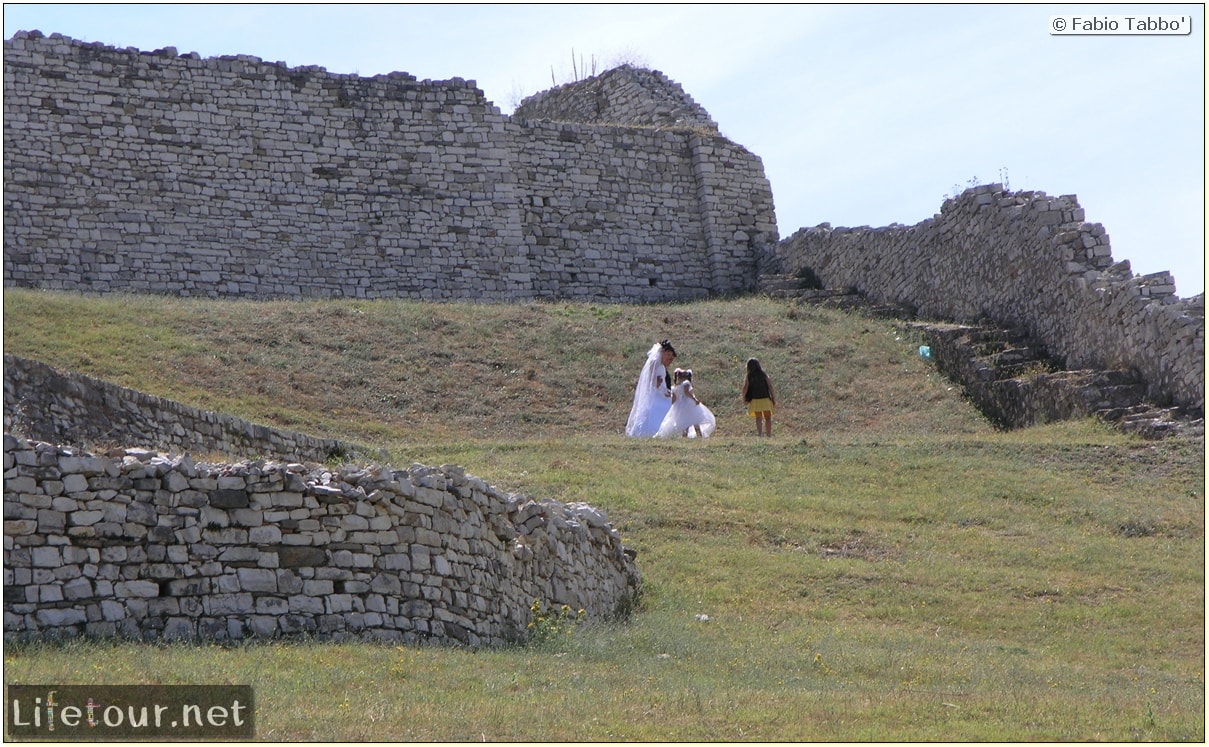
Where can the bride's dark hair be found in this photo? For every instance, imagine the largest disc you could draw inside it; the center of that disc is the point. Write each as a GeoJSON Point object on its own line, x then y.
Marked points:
{"type": "Point", "coordinates": [667, 376]}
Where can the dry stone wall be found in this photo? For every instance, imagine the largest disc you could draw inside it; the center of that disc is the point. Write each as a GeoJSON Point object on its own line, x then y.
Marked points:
{"type": "Point", "coordinates": [146, 542]}
{"type": "Point", "coordinates": [148, 546]}
{"type": "Point", "coordinates": [233, 177]}
{"type": "Point", "coordinates": [1027, 260]}
{"type": "Point", "coordinates": [70, 408]}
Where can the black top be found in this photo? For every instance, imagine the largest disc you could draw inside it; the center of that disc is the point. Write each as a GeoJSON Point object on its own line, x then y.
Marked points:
{"type": "Point", "coordinates": [757, 388]}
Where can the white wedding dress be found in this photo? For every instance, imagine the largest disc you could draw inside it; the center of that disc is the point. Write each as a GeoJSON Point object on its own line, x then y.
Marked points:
{"type": "Point", "coordinates": [685, 413]}
{"type": "Point", "coordinates": [651, 397]}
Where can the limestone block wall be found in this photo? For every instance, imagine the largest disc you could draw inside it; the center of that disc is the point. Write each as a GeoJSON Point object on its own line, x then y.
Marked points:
{"type": "Point", "coordinates": [70, 408]}
{"type": "Point", "coordinates": [143, 545]}
{"type": "Point", "coordinates": [1029, 260]}
{"type": "Point", "coordinates": [623, 95]}
{"type": "Point", "coordinates": [687, 208]}
{"type": "Point", "coordinates": [233, 177]}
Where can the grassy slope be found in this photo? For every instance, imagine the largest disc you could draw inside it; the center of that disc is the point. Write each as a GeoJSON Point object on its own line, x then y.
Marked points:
{"type": "Point", "coordinates": [887, 567]}
{"type": "Point", "coordinates": [401, 373]}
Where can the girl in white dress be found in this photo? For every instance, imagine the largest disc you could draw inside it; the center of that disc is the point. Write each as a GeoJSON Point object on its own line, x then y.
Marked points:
{"type": "Point", "coordinates": [688, 416]}
{"type": "Point", "coordinates": [652, 393]}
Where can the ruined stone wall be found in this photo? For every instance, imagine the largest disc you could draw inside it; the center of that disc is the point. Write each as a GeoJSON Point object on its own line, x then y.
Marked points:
{"type": "Point", "coordinates": [70, 408]}
{"type": "Point", "coordinates": [136, 542]}
{"type": "Point", "coordinates": [1029, 260]}
{"type": "Point", "coordinates": [625, 95]}
{"type": "Point", "coordinates": [141, 545]}
{"type": "Point", "coordinates": [233, 177]}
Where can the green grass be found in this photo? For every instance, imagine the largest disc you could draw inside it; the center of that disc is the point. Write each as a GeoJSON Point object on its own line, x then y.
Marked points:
{"type": "Point", "coordinates": [888, 567]}
{"type": "Point", "coordinates": [407, 373]}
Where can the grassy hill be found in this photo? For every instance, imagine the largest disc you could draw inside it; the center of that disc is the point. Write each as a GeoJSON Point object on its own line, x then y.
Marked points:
{"type": "Point", "coordinates": [887, 567]}
{"type": "Point", "coordinates": [398, 373]}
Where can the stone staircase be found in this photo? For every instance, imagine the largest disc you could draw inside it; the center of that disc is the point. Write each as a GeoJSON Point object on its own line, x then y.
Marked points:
{"type": "Point", "coordinates": [808, 290]}
{"type": "Point", "coordinates": [1011, 378]}
{"type": "Point", "coordinates": [1016, 384]}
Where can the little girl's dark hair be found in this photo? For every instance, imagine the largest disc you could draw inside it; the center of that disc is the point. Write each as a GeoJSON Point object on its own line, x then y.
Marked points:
{"type": "Point", "coordinates": [754, 371]}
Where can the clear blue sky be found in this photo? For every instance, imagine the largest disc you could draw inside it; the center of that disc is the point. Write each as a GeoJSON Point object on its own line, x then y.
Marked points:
{"type": "Point", "coordinates": [862, 114]}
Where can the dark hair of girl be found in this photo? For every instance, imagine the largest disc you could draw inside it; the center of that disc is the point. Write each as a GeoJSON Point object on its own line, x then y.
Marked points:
{"type": "Point", "coordinates": [754, 371]}
{"type": "Point", "coordinates": [666, 345]}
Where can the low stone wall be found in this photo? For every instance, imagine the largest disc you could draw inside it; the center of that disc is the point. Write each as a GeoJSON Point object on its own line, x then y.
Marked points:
{"type": "Point", "coordinates": [1026, 260]}
{"type": "Point", "coordinates": [139, 544]}
{"type": "Point", "coordinates": [70, 408]}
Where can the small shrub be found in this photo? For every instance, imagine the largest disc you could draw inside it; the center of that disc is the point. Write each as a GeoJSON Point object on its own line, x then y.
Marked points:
{"type": "Point", "coordinates": [547, 624]}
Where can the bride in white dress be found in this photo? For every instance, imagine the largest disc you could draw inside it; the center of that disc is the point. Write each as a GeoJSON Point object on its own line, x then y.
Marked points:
{"type": "Point", "coordinates": [687, 416]}
{"type": "Point", "coordinates": [652, 393]}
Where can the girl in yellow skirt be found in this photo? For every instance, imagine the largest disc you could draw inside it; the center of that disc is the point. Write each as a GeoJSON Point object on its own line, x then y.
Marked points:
{"type": "Point", "coordinates": [759, 396]}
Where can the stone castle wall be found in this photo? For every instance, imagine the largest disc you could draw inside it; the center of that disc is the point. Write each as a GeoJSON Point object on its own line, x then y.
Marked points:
{"type": "Point", "coordinates": [137, 544]}
{"type": "Point", "coordinates": [625, 95]}
{"type": "Point", "coordinates": [1027, 260]}
{"type": "Point", "coordinates": [234, 177]}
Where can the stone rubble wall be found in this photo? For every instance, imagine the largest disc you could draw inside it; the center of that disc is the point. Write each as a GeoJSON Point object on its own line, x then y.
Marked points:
{"type": "Point", "coordinates": [157, 172]}
{"type": "Point", "coordinates": [1027, 260]}
{"type": "Point", "coordinates": [142, 545]}
{"type": "Point", "coordinates": [70, 408]}
{"type": "Point", "coordinates": [624, 95]}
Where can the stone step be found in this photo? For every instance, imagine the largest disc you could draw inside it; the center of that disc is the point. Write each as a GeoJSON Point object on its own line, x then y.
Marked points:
{"type": "Point", "coordinates": [1014, 383]}
{"type": "Point", "coordinates": [1010, 377]}
{"type": "Point", "coordinates": [1018, 355]}
{"type": "Point", "coordinates": [1126, 414]}
{"type": "Point", "coordinates": [766, 283]}
{"type": "Point", "coordinates": [786, 285]}
{"type": "Point", "coordinates": [1018, 369]}
{"type": "Point", "coordinates": [1102, 398]}
{"type": "Point", "coordinates": [1161, 423]}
